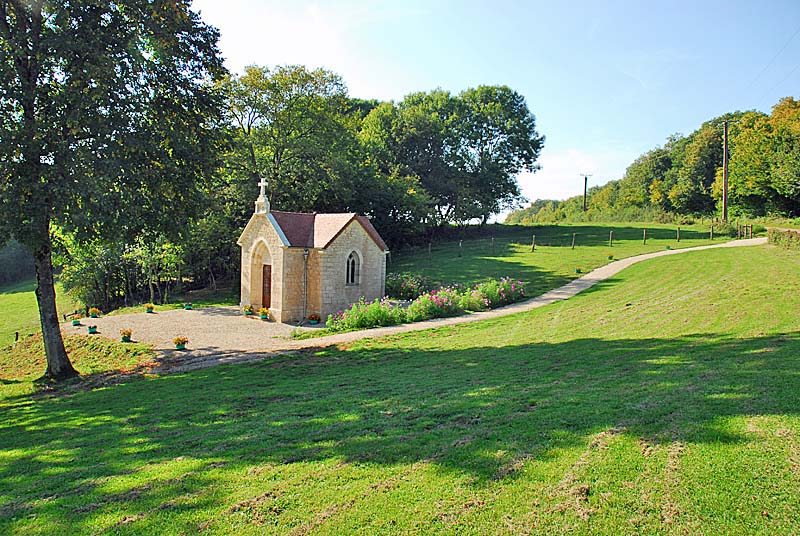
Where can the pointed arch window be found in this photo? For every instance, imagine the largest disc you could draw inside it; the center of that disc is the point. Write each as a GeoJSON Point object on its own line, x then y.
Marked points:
{"type": "Point", "coordinates": [353, 269]}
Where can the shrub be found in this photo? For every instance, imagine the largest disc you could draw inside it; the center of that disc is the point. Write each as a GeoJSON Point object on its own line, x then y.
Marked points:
{"type": "Point", "coordinates": [435, 304]}
{"type": "Point", "coordinates": [471, 300]}
{"type": "Point", "coordinates": [501, 292]}
{"type": "Point", "coordinates": [407, 286]}
{"type": "Point", "coordinates": [787, 238]}
{"type": "Point", "coordinates": [364, 315]}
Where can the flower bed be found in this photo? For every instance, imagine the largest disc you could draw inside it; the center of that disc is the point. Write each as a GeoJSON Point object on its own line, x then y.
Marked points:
{"type": "Point", "coordinates": [439, 303]}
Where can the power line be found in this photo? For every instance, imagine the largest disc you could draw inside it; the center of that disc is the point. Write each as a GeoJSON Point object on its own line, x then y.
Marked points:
{"type": "Point", "coordinates": [784, 79]}
{"type": "Point", "coordinates": [775, 57]}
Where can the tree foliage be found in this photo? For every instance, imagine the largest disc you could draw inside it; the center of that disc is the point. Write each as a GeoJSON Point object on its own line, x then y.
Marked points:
{"type": "Point", "coordinates": [684, 178]}
{"type": "Point", "coordinates": [105, 125]}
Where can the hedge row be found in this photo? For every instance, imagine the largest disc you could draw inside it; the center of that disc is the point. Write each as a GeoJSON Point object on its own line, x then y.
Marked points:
{"type": "Point", "coordinates": [788, 238]}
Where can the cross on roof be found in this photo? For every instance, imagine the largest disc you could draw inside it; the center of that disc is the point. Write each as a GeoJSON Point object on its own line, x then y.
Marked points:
{"type": "Point", "coordinates": [263, 185]}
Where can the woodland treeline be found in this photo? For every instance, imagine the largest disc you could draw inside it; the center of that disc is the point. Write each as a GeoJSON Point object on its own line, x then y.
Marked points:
{"type": "Point", "coordinates": [683, 179]}
{"type": "Point", "coordinates": [430, 161]}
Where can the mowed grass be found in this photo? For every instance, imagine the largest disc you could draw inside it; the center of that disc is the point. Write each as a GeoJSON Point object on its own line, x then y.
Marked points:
{"type": "Point", "coordinates": [662, 401]}
{"type": "Point", "coordinates": [553, 262]}
{"type": "Point", "coordinates": [20, 312]}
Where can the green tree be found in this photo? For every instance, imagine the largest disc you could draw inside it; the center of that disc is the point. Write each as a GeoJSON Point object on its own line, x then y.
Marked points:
{"type": "Point", "coordinates": [498, 140]}
{"type": "Point", "coordinates": [104, 122]}
{"type": "Point", "coordinates": [290, 126]}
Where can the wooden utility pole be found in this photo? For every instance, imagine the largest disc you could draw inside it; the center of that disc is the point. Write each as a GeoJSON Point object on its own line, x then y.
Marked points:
{"type": "Point", "coordinates": [573, 240]}
{"type": "Point", "coordinates": [644, 237]}
{"type": "Point", "coordinates": [533, 243]}
{"type": "Point", "coordinates": [611, 239]}
{"type": "Point", "coordinates": [585, 188]}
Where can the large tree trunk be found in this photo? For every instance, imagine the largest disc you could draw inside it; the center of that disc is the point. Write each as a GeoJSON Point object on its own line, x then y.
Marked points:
{"type": "Point", "coordinates": [58, 364]}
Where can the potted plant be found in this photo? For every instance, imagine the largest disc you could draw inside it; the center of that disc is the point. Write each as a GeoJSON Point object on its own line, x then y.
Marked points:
{"type": "Point", "coordinates": [313, 319]}
{"type": "Point", "coordinates": [248, 310]}
{"type": "Point", "coordinates": [76, 320]}
{"type": "Point", "coordinates": [92, 330]}
{"type": "Point", "coordinates": [126, 334]}
{"type": "Point", "coordinates": [667, 247]}
{"type": "Point", "coordinates": [263, 313]}
{"type": "Point", "coordinates": [180, 342]}
{"type": "Point", "coordinates": [578, 270]}
{"type": "Point", "coordinates": [610, 256]}
{"type": "Point", "coordinates": [187, 306]}
{"type": "Point", "coordinates": [149, 307]}
{"type": "Point", "coordinates": [94, 312]}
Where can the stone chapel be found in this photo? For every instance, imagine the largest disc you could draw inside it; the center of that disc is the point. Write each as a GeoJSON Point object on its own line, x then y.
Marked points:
{"type": "Point", "coordinates": [297, 264]}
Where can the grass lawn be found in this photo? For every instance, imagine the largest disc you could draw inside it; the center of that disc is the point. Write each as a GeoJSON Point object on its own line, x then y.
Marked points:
{"type": "Point", "coordinates": [20, 312]}
{"type": "Point", "coordinates": [553, 262]}
{"type": "Point", "coordinates": [664, 400]}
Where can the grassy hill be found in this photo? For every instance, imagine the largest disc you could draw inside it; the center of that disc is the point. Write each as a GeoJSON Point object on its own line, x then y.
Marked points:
{"type": "Point", "coordinates": [664, 400]}
{"type": "Point", "coordinates": [553, 262]}
{"type": "Point", "coordinates": [20, 312]}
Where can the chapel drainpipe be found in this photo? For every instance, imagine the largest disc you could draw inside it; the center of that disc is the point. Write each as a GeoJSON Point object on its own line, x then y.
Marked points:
{"type": "Point", "coordinates": [305, 284]}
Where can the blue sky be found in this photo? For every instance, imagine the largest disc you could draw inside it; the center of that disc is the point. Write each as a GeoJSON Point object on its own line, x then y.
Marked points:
{"type": "Point", "coordinates": [607, 80]}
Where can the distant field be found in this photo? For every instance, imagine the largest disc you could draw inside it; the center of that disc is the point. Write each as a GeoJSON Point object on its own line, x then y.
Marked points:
{"type": "Point", "coordinates": [553, 263]}
{"type": "Point", "coordinates": [20, 312]}
{"type": "Point", "coordinates": [662, 401]}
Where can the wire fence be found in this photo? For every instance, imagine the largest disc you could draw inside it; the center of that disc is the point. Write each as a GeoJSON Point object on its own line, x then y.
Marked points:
{"type": "Point", "coordinates": [546, 237]}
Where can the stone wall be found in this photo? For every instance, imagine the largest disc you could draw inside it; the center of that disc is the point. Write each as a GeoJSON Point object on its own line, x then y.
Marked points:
{"type": "Point", "coordinates": [336, 295]}
{"type": "Point", "coordinates": [293, 284]}
{"type": "Point", "coordinates": [260, 242]}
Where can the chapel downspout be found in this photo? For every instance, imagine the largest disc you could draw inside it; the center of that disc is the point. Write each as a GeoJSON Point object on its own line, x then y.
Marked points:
{"type": "Point", "coordinates": [305, 285]}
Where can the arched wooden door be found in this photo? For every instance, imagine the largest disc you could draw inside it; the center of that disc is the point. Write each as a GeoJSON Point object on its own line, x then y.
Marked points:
{"type": "Point", "coordinates": [266, 290]}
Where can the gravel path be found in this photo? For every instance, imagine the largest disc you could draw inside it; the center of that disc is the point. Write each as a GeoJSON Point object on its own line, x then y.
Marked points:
{"type": "Point", "coordinates": [219, 335]}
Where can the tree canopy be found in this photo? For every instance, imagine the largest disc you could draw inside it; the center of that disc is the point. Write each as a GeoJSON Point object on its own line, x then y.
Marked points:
{"type": "Point", "coordinates": [684, 177]}
{"type": "Point", "coordinates": [106, 115]}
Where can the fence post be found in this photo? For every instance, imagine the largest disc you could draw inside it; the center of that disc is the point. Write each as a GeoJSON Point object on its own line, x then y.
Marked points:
{"type": "Point", "coordinates": [611, 239]}
{"type": "Point", "coordinates": [460, 253]}
{"type": "Point", "coordinates": [533, 243]}
{"type": "Point", "coordinates": [738, 231]}
{"type": "Point", "coordinates": [573, 240]}
{"type": "Point", "coordinates": [679, 233]}
{"type": "Point", "coordinates": [644, 237]}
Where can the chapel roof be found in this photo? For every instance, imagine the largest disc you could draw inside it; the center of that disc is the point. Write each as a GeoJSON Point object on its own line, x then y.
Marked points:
{"type": "Point", "coordinates": [307, 230]}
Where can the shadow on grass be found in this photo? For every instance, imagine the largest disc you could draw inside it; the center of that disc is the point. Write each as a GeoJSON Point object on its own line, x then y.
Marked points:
{"type": "Point", "coordinates": [456, 409]}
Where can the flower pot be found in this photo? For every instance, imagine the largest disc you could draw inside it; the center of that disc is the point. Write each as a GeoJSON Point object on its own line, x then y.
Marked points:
{"type": "Point", "coordinates": [248, 313]}
{"type": "Point", "coordinates": [76, 322]}
{"type": "Point", "coordinates": [92, 330]}
{"type": "Point", "coordinates": [611, 257]}
{"type": "Point", "coordinates": [149, 310]}
{"type": "Point", "coordinates": [126, 339]}
{"type": "Point", "coordinates": [313, 322]}
{"type": "Point", "coordinates": [578, 271]}
{"type": "Point", "coordinates": [263, 317]}
{"type": "Point", "coordinates": [92, 315]}
{"type": "Point", "coordinates": [188, 307]}
{"type": "Point", "coordinates": [667, 247]}
{"type": "Point", "coordinates": [180, 347]}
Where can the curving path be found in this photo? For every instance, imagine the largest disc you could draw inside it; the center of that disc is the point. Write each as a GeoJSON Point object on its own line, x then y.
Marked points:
{"type": "Point", "coordinates": [220, 335]}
